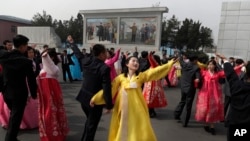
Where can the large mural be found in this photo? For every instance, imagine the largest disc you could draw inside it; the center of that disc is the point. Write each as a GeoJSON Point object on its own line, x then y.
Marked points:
{"type": "Point", "coordinates": [138, 30]}
{"type": "Point", "coordinates": [102, 30]}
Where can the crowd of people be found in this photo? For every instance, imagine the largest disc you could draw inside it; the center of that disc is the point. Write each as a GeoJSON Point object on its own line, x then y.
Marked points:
{"type": "Point", "coordinates": [118, 82]}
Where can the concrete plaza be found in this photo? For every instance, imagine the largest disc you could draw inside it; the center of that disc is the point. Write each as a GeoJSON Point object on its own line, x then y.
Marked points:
{"type": "Point", "coordinates": [166, 128]}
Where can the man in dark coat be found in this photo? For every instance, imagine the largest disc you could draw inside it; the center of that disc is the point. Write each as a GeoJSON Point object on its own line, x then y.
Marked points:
{"type": "Point", "coordinates": [100, 32]}
{"type": "Point", "coordinates": [238, 116]}
{"type": "Point", "coordinates": [96, 77]}
{"type": "Point", "coordinates": [143, 62]}
{"type": "Point", "coordinates": [190, 73]}
{"type": "Point", "coordinates": [226, 88]}
{"type": "Point", "coordinates": [66, 61]}
{"type": "Point", "coordinates": [17, 71]}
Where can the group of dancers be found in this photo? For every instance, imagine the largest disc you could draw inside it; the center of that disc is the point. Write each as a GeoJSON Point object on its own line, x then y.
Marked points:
{"type": "Point", "coordinates": [31, 96]}
{"type": "Point", "coordinates": [131, 91]}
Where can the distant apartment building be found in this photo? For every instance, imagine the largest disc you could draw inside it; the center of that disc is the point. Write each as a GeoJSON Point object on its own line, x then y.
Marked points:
{"type": "Point", "coordinates": [234, 30]}
{"type": "Point", "coordinates": [8, 26]}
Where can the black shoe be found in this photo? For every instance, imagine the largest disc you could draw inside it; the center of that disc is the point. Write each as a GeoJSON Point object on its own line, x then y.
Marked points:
{"type": "Point", "coordinates": [184, 125]}
{"type": "Point", "coordinates": [207, 128]}
{"type": "Point", "coordinates": [212, 130]}
{"type": "Point", "coordinates": [153, 114]}
{"type": "Point", "coordinates": [177, 118]}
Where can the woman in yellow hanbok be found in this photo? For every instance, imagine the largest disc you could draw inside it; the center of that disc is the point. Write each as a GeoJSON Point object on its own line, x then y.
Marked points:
{"type": "Point", "coordinates": [130, 118]}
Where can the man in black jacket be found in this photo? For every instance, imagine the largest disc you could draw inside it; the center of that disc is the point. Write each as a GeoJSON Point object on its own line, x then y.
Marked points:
{"type": "Point", "coordinates": [238, 117]}
{"type": "Point", "coordinates": [96, 77]}
{"type": "Point", "coordinates": [143, 62]}
{"type": "Point", "coordinates": [226, 87]}
{"type": "Point", "coordinates": [16, 70]}
{"type": "Point", "coordinates": [66, 61]}
{"type": "Point", "coordinates": [190, 73]}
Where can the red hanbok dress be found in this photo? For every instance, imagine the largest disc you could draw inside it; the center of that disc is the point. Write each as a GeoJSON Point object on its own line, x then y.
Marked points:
{"type": "Point", "coordinates": [53, 125]}
{"type": "Point", "coordinates": [153, 91]}
{"type": "Point", "coordinates": [209, 105]}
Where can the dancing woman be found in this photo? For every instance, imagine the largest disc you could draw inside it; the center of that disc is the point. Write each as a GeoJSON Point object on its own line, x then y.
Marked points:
{"type": "Point", "coordinates": [53, 125]}
{"type": "Point", "coordinates": [153, 91]}
{"type": "Point", "coordinates": [209, 106]}
{"type": "Point", "coordinates": [130, 116]}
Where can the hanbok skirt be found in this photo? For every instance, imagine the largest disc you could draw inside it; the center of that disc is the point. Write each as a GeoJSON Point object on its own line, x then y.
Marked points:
{"type": "Point", "coordinates": [154, 95]}
{"type": "Point", "coordinates": [30, 116]}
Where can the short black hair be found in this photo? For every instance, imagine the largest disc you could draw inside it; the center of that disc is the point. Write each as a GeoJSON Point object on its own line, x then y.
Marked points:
{"type": "Point", "coordinates": [184, 53]}
{"type": "Point", "coordinates": [6, 41]}
{"type": "Point", "coordinates": [98, 49]}
{"type": "Point", "coordinates": [192, 57]}
{"type": "Point", "coordinates": [135, 54]}
{"type": "Point", "coordinates": [144, 54]}
{"type": "Point", "coordinates": [239, 61]}
{"type": "Point", "coordinates": [46, 46]}
{"type": "Point", "coordinates": [212, 58]}
{"type": "Point", "coordinates": [20, 40]}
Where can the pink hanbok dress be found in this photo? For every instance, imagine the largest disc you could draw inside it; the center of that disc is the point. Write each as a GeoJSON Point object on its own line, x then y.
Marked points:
{"type": "Point", "coordinates": [111, 63]}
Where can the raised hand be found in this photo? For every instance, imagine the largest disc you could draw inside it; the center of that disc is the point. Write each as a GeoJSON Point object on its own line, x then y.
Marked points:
{"type": "Point", "coordinates": [176, 59]}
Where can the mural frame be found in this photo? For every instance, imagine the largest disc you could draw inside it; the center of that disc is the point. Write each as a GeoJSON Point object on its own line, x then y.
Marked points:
{"type": "Point", "coordinates": [138, 30]}
{"type": "Point", "coordinates": [101, 30]}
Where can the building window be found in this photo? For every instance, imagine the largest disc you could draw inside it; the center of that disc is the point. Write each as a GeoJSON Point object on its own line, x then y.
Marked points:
{"type": "Point", "coordinates": [13, 29]}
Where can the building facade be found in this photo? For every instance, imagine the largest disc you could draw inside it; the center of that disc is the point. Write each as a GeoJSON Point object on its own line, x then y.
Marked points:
{"type": "Point", "coordinates": [8, 26]}
{"type": "Point", "coordinates": [40, 36]}
{"type": "Point", "coordinates": [124, 28]}
{"type": "Point", "coordinates": [234, 30]}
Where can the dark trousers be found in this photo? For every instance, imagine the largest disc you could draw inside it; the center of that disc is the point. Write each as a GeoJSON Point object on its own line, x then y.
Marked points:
{"type": "Point", "coordinates": [133, 38]}
{"type": "Point", "coordinates": [16, 107]}
{"type": "Point", "coordinates": [226, 104]}
{"type": "Point", "coordinates": [93, 118]}
{"type": "Point", "coordinates": [167, 80]}
{"type": "Point", "coordinates": [101, 38]}
{"type": "Point", "coordinates": [186, 99]}
{"type": "Point", "coordinates": [142, 38]}
{"type": "Point", "coordinates": [65, 69]}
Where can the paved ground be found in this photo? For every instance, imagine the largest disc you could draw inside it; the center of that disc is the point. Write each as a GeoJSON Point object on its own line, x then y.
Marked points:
{"type": "Point", "coordinates": [166, 128]}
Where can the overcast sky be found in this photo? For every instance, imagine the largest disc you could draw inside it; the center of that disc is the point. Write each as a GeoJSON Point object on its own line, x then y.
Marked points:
{"type": "Point", "coordinates": [206, 11]}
